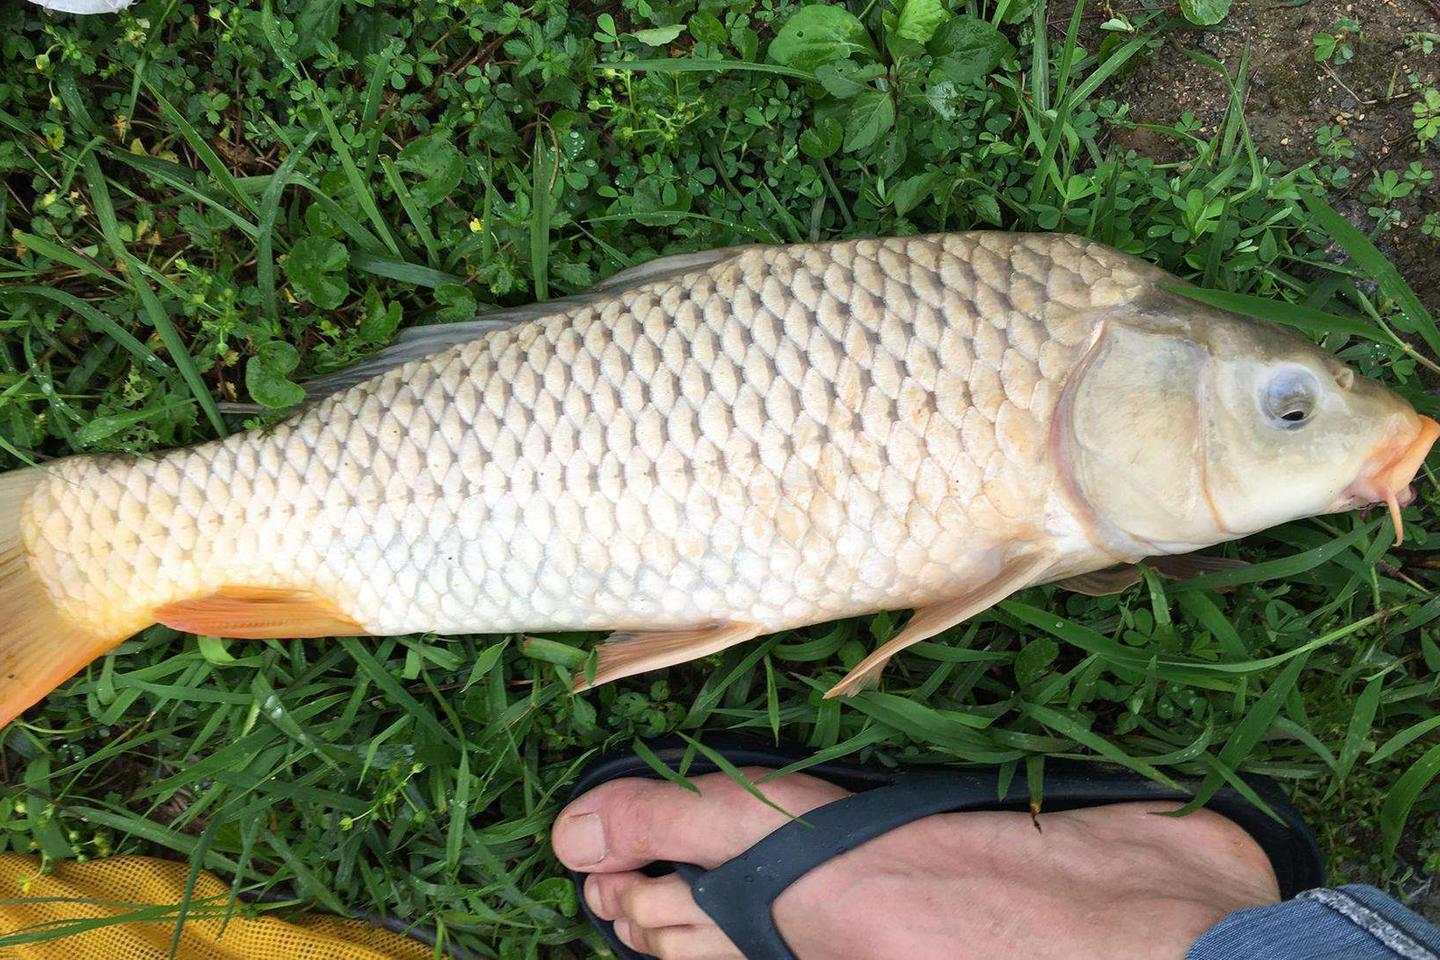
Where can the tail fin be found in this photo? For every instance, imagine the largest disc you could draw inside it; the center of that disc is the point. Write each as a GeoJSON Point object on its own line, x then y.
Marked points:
{"type": "Point", "coordinates": [40, 648]}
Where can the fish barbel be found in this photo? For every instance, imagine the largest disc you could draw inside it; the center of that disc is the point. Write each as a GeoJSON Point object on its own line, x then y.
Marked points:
{"type": "Point", "coordinates": [716, 446]}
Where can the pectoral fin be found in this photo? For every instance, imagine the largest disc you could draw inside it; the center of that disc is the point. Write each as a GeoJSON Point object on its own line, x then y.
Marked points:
{"type": "Point", "coordinates": [635, 651]}
{"type": "Point", "coordinates": [259, 613]}
{"type": "Point", "coordinates": [1100, 583]}
{"type": "Point", "coordinates": [1187, 565]}
{"type": "Point", "coordinates": [1118, 579]}
{"type": "Point", "coordinates": [926, 622]}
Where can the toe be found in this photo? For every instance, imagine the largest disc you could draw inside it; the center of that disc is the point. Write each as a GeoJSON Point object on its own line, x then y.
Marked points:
{"type": "Point", "coordinates": [660, 902]}
{"type": "Point", "coordinates": [625, 824]}
{"type": "Point", "coordinates": [648, 901]}
{"type": "Point", "coordinates": [633, 935]}
{"type": "Point", "coordinates": [696, 942]}
{"type": "Point", "coordinates": [602, 892]}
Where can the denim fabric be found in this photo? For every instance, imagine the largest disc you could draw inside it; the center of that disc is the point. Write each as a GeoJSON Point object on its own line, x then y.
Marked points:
{"type": "Point", "coordinates": [1345, 923]}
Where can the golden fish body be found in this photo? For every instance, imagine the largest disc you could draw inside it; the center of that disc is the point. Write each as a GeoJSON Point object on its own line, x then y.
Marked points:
{"type": "Point", "coordinates": [777, 437]}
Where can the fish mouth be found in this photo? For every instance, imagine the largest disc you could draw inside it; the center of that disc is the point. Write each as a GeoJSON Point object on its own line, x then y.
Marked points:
{"type": "Point", "coordinates": [1388, 474]}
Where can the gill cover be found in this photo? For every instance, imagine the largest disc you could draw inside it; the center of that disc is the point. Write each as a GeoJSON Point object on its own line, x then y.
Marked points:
{"type": "Point", "coordinates": [1134, 440]}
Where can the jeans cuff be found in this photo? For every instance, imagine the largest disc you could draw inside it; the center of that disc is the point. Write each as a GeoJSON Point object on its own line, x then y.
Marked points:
{"type": "Point", "coordinates": [1352, 922]}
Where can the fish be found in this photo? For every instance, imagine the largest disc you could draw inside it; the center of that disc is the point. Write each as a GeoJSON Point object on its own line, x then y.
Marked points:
{"type": "Point", "coordinates": [717, 446]}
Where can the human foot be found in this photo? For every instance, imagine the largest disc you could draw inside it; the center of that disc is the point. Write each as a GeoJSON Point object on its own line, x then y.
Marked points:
{"type": "Point", "coordinates": [1110, 882]}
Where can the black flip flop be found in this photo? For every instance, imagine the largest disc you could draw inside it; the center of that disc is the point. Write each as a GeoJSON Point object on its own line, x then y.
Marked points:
{"type": "Point", "coordinates": [738, 894]}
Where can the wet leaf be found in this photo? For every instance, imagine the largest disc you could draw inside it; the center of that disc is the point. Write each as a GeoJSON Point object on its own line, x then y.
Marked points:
{"type": "Point", "coordinates": [437, 163]}
{"type": "Point", "coordinates": [707, 28]}
{"type": "Point", "coordinates": [967, 48]}
{"type": "Point", "coordinates": [266, 376]}
{"type": "Point", "coordinates": [871, 118]}
{"type": "Point", "coordinates": [912, 191]}
{"type": "Point", "coordinates": [1205, 12]}
{"type": "Point", "coordinates": [1033, 659]}
{"type": "Point", "coordinates": [318, 22]}
{"type": "Point", "coordinates": [457, 303]}
{"type": "Point", "coordinates": [823, 139]}
{"type": "Point", "coordinates": [820, 34]}
{"type": "Point", "coordinates": [919, 19]}
{"type": "Point", "coordinates": [658, 36]}
{"type": "Point", "coordinates": [315, 268]}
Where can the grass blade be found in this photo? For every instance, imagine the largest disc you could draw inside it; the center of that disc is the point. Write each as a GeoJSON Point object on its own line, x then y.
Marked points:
{"type": "Point", "coordinates": [401, 270]}
{"type": "Point", "coordinates": [416, 215]}
{"type": "Point", "coordinates": [693, 65]}
{"type": "Point", "coordinates": [100, 322]}
{"type": "Point", "coordinates": [171, 174]}
{"type": "Point", "coordinates": [459, 816]}
{"type": "Point", "coordinates": [1403, 739]}
{"type": "Point", "coordinates": [386, 681]}
{"type": "Point", "coordinates": [1248, 733]}
{"type": "Point", "coordinates": [269, 211]}
{"type": "Point", "coordinates": [1373, 262]}
{"type": "Point", "coordinates": [1067, 726]}
{"type": "Point", "coordinates": [1360, 722]}
{"type": "Point", "coordinates": [59, 254]}
{"type": "Point", "coordinates": [661, 768]}
{"type": "Point", "coordinates": [1312, 321]}
{"type": "Point", "coordinates": [363, 196]}
{"type": "Point", "coordinates": [733, 772]}
{"type": "Point", "coordinates": [1283, 568]}
{"type": "Point", "coordinates": [203, 150]}
{"type": "Point", "coordinates": [1395, 809]}
{"type": "Point", "coordinates": [542, 174]}
{"type": "Point", "coordinates": [105, 211]}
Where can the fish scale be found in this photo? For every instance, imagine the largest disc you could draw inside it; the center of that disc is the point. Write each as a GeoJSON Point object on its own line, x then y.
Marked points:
{"type": "Point", "coordinates": [787, 436]}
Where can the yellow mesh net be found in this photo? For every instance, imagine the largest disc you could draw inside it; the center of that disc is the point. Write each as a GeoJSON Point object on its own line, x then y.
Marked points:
{"type": "Point", "coordinates": [106, 889]}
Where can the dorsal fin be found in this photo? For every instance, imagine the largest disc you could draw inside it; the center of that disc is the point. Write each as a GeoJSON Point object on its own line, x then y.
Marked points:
{"type": "Point", "coordinates": [417, 342]}
{"type": "Point", "coordinates": [666, 268]}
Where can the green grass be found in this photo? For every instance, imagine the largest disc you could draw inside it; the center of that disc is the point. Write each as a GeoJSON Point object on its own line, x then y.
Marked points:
{"type": "Point", "coordinates": [203, 204]}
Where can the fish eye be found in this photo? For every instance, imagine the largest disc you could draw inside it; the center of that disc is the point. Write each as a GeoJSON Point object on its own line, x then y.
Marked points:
{"type": "Point", "coordinates": [1290, 397]}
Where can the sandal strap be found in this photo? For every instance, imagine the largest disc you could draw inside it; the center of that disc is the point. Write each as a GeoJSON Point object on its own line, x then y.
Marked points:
{"type": "Point", "coordinates": [739, 895]}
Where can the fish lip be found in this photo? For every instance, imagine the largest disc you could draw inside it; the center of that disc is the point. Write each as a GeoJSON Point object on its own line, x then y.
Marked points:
{"type": "Point", "coordinates": [1387, 475]}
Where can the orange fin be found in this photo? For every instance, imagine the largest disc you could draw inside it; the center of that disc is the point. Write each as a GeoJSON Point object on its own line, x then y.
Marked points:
{"type": "Point", "coordinates": [1015, 574]}
{"type": "Point", "coordinates": [259, 613]}
{"type": "Point", "coordinates": [40, 648]}
{"type": "Point", "coordinates": [635, 651]}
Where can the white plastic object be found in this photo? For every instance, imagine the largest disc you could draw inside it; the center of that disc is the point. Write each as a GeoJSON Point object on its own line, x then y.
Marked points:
{"type": "Point", "coordinates": [84, 6]}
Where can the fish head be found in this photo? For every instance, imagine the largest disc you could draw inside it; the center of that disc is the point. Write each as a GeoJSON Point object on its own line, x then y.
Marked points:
{"type": "Point", "coordinates": [1186, 426]}
{"type": "Point", "coordinates": [1293, 432]}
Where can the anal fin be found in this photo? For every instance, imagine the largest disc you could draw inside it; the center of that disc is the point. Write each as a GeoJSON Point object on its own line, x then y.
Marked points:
{"type": "Point", "coordinates": [259, 613]}
{"type": "Point", "coordinates": [629, 652]}
{"type": "Point", "coordinates": [1015, 574]}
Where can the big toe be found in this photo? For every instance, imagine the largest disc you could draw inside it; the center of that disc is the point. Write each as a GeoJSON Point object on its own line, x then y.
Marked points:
{"type": "Point", "coordinates": [625, 824]}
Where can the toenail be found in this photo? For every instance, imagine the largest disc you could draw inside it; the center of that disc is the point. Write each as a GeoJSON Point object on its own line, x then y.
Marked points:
{"type": "Point", "coordinates": [583, 838]}
{"type": "Point", "coordinates": [624, 931]}
{"type": "Point", "coordinates": [592, 896]}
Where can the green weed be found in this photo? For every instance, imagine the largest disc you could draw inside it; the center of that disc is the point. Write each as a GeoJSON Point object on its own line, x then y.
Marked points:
{"type": "Point", "coordinates": [205, 204]}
